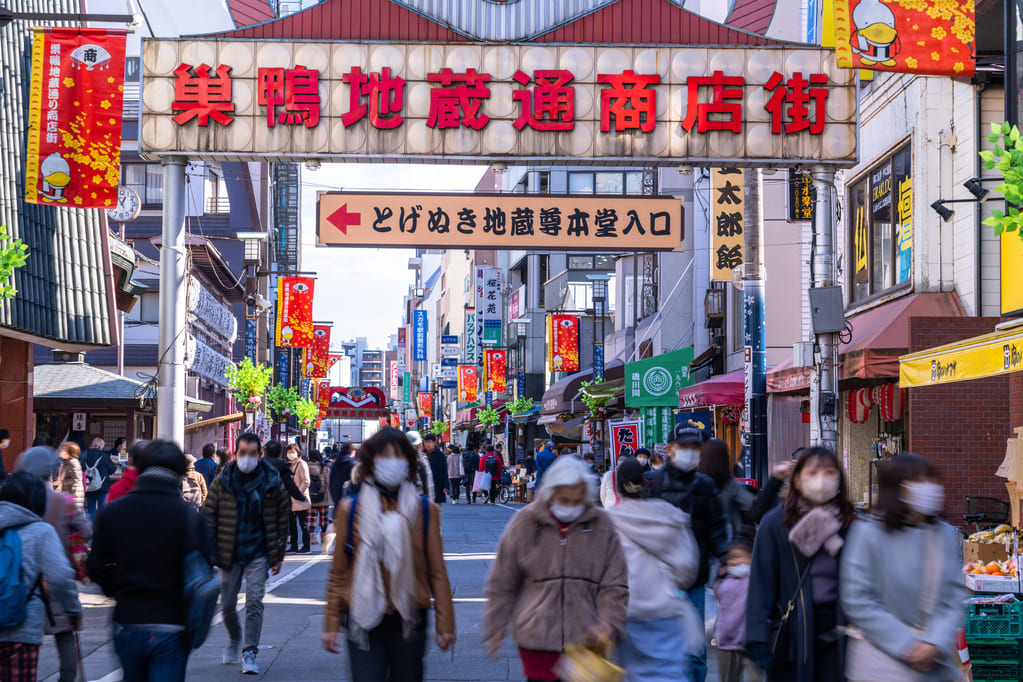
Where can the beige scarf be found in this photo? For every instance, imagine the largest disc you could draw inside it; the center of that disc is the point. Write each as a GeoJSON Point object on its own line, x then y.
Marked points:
{"type": "Point", "coordinates": [386, 543]}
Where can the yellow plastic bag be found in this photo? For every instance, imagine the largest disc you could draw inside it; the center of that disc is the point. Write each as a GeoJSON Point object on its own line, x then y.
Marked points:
{"type": "Point", "coordinates": [582, 664]}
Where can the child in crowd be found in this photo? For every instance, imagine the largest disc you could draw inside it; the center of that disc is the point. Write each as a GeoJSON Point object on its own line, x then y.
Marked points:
{"type": "Point", "coordinates": [731, 589]}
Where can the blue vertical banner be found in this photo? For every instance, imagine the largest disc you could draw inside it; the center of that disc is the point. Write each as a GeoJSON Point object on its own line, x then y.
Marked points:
{"type": "Point", "coordinates": [283, 366]}
{"type": "Point", "coordinates": [419, 324]}
{"type": "Point", "coordinates": [250, 339]}
{"type": "Point", "coordinates": [598, 364]}
{"type": "Point", "coordinates": [755, 357]}
{"type": "Point", "coordinates": [520, 385]}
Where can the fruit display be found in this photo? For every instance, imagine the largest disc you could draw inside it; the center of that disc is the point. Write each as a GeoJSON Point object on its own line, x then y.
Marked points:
{"type": "Point", "coordinates": [1002, 535]}
{"type": "Point", "coordinates": [995, 568]}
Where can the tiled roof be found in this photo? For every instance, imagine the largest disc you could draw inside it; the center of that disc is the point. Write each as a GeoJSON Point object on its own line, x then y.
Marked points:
{"type": "Point", "coordinates": [79, 381]}
{"type": "Point", "coordinates": [63, 296]}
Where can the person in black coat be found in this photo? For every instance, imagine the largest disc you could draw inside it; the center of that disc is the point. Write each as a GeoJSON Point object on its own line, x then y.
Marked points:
{"type": "Point", "coordinates": [679, 483]}
{"type": "Point", "coordinates": [772, 492]}
{"type": "Point", "coordinates": [471, 464]}
{"type": "Point", "coordinates": [273, 451]}
{"type": "Point", "coordinates": [341, 472]}
{"type": "Point", "coordinates": [804, 535]}
{"type": "Point", "coordinates": [438, 467]}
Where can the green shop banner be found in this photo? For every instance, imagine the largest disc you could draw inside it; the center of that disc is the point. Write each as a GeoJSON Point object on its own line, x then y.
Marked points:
{"type": "Point", "coordinates": [657, 425]}
{"type": "Point", "coordinates": [656, 382]}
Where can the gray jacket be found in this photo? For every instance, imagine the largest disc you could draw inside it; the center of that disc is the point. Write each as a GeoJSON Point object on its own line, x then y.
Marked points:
{"type": "Point", "coordinates": [881, 583]}
{"type": "Point", "coordinates": [41, 551]}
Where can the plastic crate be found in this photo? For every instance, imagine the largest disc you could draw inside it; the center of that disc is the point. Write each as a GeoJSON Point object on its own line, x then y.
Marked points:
{"type": "Point", "coordinates": [994, 621]}
{"type": "Point", "coordinates": [995, 649]}
{"type": "Point", "coordinates": [995, 671]}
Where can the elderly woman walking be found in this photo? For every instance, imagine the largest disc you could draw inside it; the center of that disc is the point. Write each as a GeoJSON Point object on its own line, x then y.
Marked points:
{"type": "Point", "coordinates": [560, 576]}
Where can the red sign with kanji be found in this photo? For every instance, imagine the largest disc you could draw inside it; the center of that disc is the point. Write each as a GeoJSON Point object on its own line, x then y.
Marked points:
{"type": "Point", "coordinates": [295, 327]}
{"type": "Point", "coordinates": [76, 102]}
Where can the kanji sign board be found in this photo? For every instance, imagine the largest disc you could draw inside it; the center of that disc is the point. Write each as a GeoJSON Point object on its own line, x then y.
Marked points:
{"type": "Point", "coordinates": [457, 102]}
{"type": "Point", "coordinates": [508, 221]}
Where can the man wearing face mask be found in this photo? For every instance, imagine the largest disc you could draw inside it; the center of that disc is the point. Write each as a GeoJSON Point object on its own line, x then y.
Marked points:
{"type": "Point", "coordinates": [247, 512]}
{"type": "Point", "coordinates": [679, 483]}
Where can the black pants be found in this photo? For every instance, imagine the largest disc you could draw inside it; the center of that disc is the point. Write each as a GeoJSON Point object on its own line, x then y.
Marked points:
{"type": "Point", "coordinates": [299, 521]}
{"type": "Point", "coordinates": [470, 496]}
{"type": "Point", "coordinates": [827, 659]}
{"type": "Point", "coordinates": [456, 488]}
{"type": "Point", "coordinates": [390, 657]}
{"type": "Point", "coordinates": [493, 490]}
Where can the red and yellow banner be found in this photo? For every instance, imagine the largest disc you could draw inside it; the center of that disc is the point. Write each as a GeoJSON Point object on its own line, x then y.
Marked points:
{"type": "Point", "coordinates": [935, 37]}
{"type": "Point", "coordinates": [395, 421]}
{"type": "Point", "coordinates": [425, 404]}
{"type": "Point", "coordinates": [295, 312]}
{"type": "Point", "coordinates": [317, 356]}
{"type": "Point", "coordinates": [334, 358]}
{"type": "Point", "coordinates": [563, 347]}
{"type": "Point", "coordinates": [323, 396]}
{"type": "Point", "coordinates": [495, 370]}
{"type": "Point", "coordinates": [76, 103]}
{"type": "Point", "coordinates": [468, 383]}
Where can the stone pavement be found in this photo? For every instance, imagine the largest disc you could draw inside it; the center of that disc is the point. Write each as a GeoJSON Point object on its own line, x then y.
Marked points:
{"type": "Point", "coordinates": [290, 648]}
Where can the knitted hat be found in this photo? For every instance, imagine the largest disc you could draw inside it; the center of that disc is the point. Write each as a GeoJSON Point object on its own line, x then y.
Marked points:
{"type": "Point", "coordinates": [39, 461]}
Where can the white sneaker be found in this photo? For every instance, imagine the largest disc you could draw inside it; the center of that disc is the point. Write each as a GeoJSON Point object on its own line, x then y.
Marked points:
{"type": "Point", "coordinates": [231, 653]}
{"type": "Point", "coordinates": [249, 666]}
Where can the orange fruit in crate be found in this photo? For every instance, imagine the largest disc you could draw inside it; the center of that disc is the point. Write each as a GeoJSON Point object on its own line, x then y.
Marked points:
{"type": "Point", "coordinates": [993, 568]}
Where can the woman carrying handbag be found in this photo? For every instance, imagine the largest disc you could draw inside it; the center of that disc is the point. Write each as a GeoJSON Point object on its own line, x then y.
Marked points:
{"type": "Point", "coordinates": [901, 587]}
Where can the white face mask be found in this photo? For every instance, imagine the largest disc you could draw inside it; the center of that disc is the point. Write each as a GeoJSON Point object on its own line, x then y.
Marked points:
{"type": "Point", "coordinates": [566, 514]}
{"type": "Point", "coordinates": [643, 460]}
{"type": "Point", "coordinates": [819, 489]}
{"type": "Point", "coordinates": [247, 463]}
{"type": "Point", "coordinates": [924, 497]}
{"type": "Point", "coordinates": [292, 456]}
{"type": "Point", "coordinates": [390, 472]}
{"type": "Point", "coordinates": [686, 459]}
{"type": "Point", "coordinates": [739, 571]}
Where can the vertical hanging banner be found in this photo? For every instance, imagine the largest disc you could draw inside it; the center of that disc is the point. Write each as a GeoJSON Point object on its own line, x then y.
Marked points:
{"type": "Point", "coordinates": [419, 327]}
{"type": "Point", "coordinates": [468, 383]}
{"type": "Point", "coordinates": [76, 103]}
{"type": "Point", "coordinates": [295, 312]}
{"type": "Point", "coordinates": [317, 355]}
{"type": "Point", "coordinates": [425, 405]}
{"type": "Point", "coordinates": [496, 371]}
{"type": "Point", "coordinates": [563, 348]}
{"type": "Point", "coordinates": [801, 196]}
{"type": "Point", "coordinates": [935, 37]}
{"type": "Point", "coordinates": [469, 356]}
{"type": "Point", "coordinates": [625, 440]}
{"type": "Point", "coordinates": [323, 396]}
{"type": "Point", "coordinates": [726, 219]}
{"type": "Point", "coordinates": [394, 380]}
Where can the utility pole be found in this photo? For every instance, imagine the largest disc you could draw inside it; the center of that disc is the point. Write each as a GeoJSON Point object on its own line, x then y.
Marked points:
{"type": "Point", "coordinates": [755, 347]}
{"type": "Point", "coordinates": [824, 379]}
{"type": "Point", "coordinates": [170, 391]}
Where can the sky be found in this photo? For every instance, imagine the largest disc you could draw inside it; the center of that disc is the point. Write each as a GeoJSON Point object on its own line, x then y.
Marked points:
{"type": "Point", "coordinates": [361, 290]}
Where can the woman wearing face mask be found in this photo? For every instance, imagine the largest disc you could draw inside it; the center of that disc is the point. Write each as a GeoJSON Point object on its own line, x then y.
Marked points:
{"type": "Point", "coordinates": [299, 518]}
{"type": "Point", "coordinates": [796, 562]}
{"type": "Point", "coordinates": [560, 576]}
{"type": "Point", "coordinates": [388, 564]}
{"type": "Point", "coordinates": [663, 559]}
{"type": "Point", "coordinates": [905, 616]}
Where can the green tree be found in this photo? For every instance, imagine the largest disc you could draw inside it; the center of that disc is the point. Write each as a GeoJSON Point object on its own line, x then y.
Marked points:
{"type": "Point", "coordinates": [1006, 156]}
{"type": "Point", "coordinates": [13, 255]}
{"type": "Point", "coordinates": [248, 382]}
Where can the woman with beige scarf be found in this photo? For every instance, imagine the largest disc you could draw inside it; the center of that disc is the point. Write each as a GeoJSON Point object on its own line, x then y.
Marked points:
{"type": "Point", "coordinates": [388, 564]}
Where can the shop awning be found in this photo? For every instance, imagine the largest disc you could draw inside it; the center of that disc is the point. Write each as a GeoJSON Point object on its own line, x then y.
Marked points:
{"type": "Point", "coordinates": [606, 389]}
{"type": "Point", "coordinates": [525, 416]}
{"type": "Point", "coordinates": [563, 395]}
{"type": "Point", "coordinates": [724, 389]}
{"type": "Point", "coordinates": [989, 355]}
{"type": "Point", "coordinates": [879, 337]}
{"type": "Point", "coordinates": [468, 415]}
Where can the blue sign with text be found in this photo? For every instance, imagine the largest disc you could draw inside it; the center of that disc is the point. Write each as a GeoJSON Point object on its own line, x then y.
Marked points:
{"type": "Point", "coordinates": [419, 323]}
{"type": "Point", "coordinates": [250, 339]}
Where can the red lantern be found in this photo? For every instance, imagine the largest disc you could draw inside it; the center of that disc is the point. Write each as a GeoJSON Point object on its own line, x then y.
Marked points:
{"type": "Point", "coordinates": [858, 405]}
{"type": "Point", "coordinates": [892, 405]}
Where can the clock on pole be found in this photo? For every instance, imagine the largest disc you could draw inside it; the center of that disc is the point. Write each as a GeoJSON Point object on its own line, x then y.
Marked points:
{"type": "Point", "coordinates": [129, 205]}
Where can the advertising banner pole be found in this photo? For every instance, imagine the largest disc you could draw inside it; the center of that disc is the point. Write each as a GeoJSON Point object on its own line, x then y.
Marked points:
{"type": "Point", "coordinates": [170, 392]}
{"type": "Point", "coordinates": [755, 355]}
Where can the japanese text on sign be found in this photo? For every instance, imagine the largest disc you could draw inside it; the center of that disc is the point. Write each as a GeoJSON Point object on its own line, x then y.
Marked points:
{"type": "Point", "coordinates": [600, 102]}
{"type": "Point", "coordinates": [726, 222]}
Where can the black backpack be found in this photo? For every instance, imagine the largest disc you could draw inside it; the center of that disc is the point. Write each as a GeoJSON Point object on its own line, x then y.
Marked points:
{"type": "Point", "coordinates": [492, 464]}
{"type": "Point", "coordinates": [316, 492]}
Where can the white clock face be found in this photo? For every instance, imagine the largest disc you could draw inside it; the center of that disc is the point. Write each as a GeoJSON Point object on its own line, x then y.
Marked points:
{"type": "Point", "coordinates": [128, 205]}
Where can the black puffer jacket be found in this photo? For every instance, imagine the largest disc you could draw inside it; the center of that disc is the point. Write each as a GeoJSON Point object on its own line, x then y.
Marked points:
{"type": "Point", "coordinates": [695, 494]}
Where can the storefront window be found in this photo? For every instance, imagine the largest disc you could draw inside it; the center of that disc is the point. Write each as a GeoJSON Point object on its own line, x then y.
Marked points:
{"type": "Point", "coordinates": [881, 220]}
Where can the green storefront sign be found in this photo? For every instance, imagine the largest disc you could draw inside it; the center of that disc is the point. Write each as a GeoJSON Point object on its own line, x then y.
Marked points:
{"type": "Point", "coordinates": [657, 424]}
{"type": "Point", "coordinates": [656, 382]}
{"type": "Point", "coordinates": [406, 389]}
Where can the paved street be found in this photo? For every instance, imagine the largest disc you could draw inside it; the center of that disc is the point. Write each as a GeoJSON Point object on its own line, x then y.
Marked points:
{"type": "Point", "coordinates": [290, 648]}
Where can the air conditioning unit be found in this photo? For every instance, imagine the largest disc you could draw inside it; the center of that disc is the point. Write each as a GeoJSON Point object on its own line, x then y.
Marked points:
{"type": "Point", "coordinates": [802, 354]}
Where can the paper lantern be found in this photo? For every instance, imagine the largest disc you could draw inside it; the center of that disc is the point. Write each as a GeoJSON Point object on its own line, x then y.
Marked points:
{"type": "Point", "coordinates": [892, 404]}
{"type": "Point", "coordinates": [858, 405]}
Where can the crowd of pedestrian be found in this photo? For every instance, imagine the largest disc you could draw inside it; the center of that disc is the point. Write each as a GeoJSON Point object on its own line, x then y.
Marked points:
{"type": "Point", "coordinates": [621, 563]}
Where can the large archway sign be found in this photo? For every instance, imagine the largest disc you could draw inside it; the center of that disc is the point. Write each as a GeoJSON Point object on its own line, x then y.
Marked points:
{"type": "Point", "coordinates": [220, 99]}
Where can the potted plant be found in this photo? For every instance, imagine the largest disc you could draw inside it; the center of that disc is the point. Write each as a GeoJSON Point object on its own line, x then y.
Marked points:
{"type": "Point", "coordinates": [248, 382]}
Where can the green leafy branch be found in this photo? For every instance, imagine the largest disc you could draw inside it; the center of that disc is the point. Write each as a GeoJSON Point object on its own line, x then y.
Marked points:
{"type": "Point", "coordinates": [488, 417]}
{"type": "Point", "coordinates": [595, 403]}
{"type": "Point", "coordinates": [307, 411]}
{"type": "Point", "coordinates": [438, 427]}
{"type": "Point", "coordinates": [520, 405]}
{"type": "Point", "coordinates": [282, 402]}
{"type": "Point", "coordinates": [1006, 156]}
{"type": "Point", "coordinates": [248, 381]}
{"type": "Point", "coordinates": [13, 255]}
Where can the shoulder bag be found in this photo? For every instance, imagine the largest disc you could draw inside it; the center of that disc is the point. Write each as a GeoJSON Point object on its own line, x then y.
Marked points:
{"type": "Point", "coordinates": [866, 662]}
{"type": "Point", "coordinates": [781, 639]}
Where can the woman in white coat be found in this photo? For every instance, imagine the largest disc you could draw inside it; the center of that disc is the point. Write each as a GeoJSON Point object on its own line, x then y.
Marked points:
{"type": "Point", "coordinates": [663, 560]}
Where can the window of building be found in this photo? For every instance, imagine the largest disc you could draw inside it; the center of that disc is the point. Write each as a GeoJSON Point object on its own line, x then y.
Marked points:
{"type": "Point", "coordinates": [881, 217]}
{"type": "Point", "coordinates": [580, 262]}
{"type": "Point", "coordinates": [147, 180]}
{"type": "Point", "coordinates": [605, 182]}
{"type": "Point", "coordinates": [580, 183]}
{"type": "Point", "coordinates": [149, 307]}
{"type": "Point", "coordinates": [604, 262]}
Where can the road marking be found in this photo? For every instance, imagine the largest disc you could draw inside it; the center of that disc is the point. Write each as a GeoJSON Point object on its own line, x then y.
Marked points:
{"type": "Point", "coordinates": [470, 600]}
{"type": "Point", "coordinates": [514, 509]}
{"type": "Point", "coordinates": [470, 557]}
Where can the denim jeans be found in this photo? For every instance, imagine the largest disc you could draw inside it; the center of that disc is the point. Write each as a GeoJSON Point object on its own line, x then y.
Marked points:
{"type": "Point", "coordinates": [149, 656]}
{"type": "Point", "coordinates": [94, 504]}
{"type": "Point", "coordinates": [390, 657]}
{"type": "Point", "coordinates": [255, 575]}
{"type": "Point", "coordinates": [698, 661]}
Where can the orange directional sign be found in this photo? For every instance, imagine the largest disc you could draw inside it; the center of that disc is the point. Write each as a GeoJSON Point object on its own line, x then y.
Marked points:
{"type": "Point", "coordinates": [500, 221]}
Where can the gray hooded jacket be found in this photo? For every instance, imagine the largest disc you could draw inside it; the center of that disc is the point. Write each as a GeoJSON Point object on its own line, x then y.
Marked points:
{"type": "Point", "coordinates": [41, 551]}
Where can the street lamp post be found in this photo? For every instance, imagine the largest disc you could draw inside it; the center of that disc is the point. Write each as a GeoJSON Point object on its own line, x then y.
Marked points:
{"type": "Point", "coordinates": [599, 300]}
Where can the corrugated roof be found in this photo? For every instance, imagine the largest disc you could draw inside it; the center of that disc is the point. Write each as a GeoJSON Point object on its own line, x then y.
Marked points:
{"type": "Point", "coordinates": [63, 294]}
{"type": "Point", "coordinates": [79, 381]}
{"type": "Point", "coordinates": [246, 12]}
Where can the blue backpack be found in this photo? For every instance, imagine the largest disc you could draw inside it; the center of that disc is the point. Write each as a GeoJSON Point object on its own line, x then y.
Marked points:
{"type": "Point", "coordinates": [14, 597]}
{"type": "Point", "coordinates": [350, 540]}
